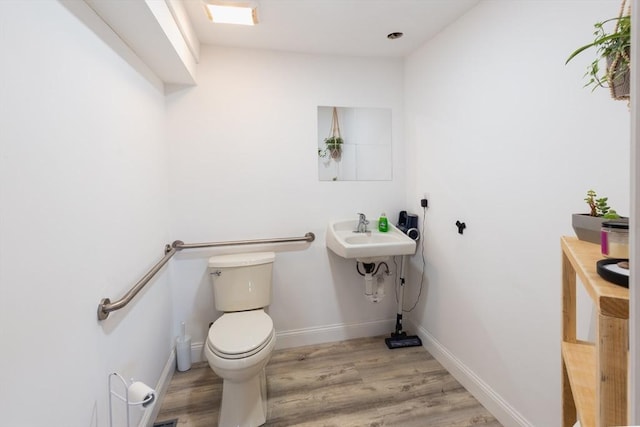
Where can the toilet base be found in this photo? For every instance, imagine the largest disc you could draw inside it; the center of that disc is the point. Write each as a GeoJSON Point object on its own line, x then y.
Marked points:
{"type": "Point", "coordinates": [244, 404]}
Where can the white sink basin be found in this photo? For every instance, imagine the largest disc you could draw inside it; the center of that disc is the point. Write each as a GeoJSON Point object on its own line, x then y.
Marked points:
{"type": "Point", "coordinates": [372, 246]}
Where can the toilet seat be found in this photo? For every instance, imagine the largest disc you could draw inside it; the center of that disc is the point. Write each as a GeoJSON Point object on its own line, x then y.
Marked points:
{"type": "Point", "coordinates": [240, 334]}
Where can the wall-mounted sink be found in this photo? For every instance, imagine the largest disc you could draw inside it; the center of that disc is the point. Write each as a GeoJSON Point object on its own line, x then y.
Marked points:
{"type": "Point", "coordinates": [372, 246]}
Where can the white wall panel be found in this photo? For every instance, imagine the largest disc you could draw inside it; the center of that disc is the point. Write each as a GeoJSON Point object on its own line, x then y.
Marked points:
{"type": "Point", "coordinates": [503, 137]}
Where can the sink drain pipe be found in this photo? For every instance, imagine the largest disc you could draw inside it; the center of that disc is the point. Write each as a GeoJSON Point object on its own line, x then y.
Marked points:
{"type": "Point", "coordinates": [370, 271]}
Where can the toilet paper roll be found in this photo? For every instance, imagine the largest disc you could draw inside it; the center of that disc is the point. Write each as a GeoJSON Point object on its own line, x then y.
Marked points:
{"type": "Point", "coordinates": [140, 393]}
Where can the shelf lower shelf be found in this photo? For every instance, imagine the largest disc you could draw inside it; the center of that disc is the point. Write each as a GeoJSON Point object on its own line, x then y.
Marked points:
{"type": "Point", "coordinates": [580, 360]}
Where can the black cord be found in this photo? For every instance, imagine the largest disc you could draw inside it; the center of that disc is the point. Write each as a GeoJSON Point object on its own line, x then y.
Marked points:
{"type": "Point", "coordinates": [376, 271]}
{"type": "Point", "coordinates": [380, 265]}
{"type": "Point", "coordinates": [396, 280]}
{"type": "Point", "coordinates": [424, 263]}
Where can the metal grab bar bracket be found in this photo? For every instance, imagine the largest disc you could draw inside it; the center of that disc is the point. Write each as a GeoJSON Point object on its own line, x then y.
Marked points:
{"type": "Point", "coordinates": [101, 313]}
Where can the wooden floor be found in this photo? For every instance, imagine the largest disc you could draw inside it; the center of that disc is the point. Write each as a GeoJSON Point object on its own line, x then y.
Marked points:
{"type": "Point", "coordinates": [351, 383]}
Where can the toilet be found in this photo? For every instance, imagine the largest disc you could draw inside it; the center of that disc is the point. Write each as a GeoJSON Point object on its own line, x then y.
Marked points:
{"type": "Point", "coordinates": [240, 342]}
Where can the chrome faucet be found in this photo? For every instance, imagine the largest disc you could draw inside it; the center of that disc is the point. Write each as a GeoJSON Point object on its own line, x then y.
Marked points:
{"type": "Point", "coordinates": [362, 223]}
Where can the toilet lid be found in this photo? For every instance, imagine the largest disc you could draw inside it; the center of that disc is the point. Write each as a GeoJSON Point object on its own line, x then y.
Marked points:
{"type": "Point", "coordinates": [240, 334]}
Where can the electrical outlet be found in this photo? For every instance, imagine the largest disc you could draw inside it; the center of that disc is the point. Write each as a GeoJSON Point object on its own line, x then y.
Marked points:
{"type": "Point", "coordinates": [424, 200]}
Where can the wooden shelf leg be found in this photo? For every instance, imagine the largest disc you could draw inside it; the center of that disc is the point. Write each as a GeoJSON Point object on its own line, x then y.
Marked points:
{"type": "Point", "coordinates": [612, 347]}
{"type": "Point", "coordinates": [568, 300]}
{"type": "Point", "coordinates": [569, 415]}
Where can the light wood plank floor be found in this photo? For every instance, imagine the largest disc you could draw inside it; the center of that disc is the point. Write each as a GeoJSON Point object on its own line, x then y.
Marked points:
{"type": "Point", "coordinates": [350, 383]}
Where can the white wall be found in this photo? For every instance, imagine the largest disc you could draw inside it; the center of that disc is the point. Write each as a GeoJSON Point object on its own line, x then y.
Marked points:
{"type": "Point", "coordinates": [83, 214]}
{"type": "Point", "coordinates": [503, 137]}
{"type": "Point", "coordinates": [244, 166]}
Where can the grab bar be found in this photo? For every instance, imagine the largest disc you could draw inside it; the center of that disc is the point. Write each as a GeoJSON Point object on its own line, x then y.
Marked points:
{"type": "Point", "coordinates": [106, 306]}
{"type": "Point", "coordinates": [309, 237]}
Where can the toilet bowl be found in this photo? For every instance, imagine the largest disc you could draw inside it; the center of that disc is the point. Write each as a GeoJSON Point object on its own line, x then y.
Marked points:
{"type": "Point", "coordinates": [239, 356]}
{"type": "Point", "coordinates": [240, 342]}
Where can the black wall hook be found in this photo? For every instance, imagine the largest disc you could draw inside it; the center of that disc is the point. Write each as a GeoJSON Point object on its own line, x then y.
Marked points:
{"type": "Point", "coordinates": [461, 226]}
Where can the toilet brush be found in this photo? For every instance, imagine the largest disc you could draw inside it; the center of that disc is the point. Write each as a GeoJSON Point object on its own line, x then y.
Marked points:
{"type": "Point", "coordinates": [183, 349]}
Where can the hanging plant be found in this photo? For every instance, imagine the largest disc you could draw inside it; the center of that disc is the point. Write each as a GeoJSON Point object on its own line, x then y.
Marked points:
{"type": "Point", "coordinates": [334, 146]}
{"type": "Point", "coordinates": [614, 48]}
{"type": "Point", "coordinates": [333, 143]}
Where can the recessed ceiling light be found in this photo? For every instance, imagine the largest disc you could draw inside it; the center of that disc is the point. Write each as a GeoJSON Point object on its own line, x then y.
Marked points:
{"type": "Point", "coordinates": [393, 36]}
{"type": "Point", "coordinates": [242, 13]}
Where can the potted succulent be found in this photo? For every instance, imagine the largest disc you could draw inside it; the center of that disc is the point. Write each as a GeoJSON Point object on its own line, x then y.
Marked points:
{"type": "Point", "coordinates": [587, 225]}
{"type": "Point", "coordinates": [613, 47]}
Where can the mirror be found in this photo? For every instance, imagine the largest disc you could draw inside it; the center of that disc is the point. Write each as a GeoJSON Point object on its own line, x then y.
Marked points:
{"type": "Point", "coordinates": [354, 144]}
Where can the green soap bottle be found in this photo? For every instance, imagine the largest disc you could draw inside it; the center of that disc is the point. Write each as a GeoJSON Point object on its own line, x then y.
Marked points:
{"type": "Point", "coordinates": [383, 224]}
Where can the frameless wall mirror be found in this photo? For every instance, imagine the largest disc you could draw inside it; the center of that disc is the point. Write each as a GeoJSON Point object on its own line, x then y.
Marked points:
{"type": "Point", "coordinates": [354, 144]}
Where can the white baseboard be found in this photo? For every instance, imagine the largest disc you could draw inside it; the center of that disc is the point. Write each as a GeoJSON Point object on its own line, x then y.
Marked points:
{"type": "Point", "coordinates": [150, 416]}
{"type": "Point", "coordinates": [197, 352]}
{"type": "Point", "coordinates": [507, 415]}
{"type": "Point", "coordinates": [332, 333]}
{"type": "Point", "coordinates": [317, 335]}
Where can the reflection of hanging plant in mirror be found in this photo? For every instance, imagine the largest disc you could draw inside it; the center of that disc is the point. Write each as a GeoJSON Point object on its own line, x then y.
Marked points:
{"type": "Point", "coordinates": [333, 143]}
{"type": "Point", "coordinates": [614, 48]}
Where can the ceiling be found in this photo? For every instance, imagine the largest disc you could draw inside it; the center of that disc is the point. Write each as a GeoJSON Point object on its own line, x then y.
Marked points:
{"type": "Point", "coordinates": [340, 27]}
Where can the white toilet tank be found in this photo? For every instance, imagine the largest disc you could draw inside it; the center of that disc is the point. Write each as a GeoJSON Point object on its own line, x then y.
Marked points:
{"type": "Point", "coordinates": [242, 281]}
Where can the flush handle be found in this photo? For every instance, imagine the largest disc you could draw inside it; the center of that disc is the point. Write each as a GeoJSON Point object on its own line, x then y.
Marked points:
{"type": "Point", "coordinates": [216, 273]}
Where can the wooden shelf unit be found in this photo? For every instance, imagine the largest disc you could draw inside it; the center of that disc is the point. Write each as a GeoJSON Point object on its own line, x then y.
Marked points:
{"type": "Point", "coordinates": [594, 375]}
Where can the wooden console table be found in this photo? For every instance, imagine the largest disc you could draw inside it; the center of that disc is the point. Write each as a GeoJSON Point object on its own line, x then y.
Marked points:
{"type": "Point", "coordinates": [594, 375]}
